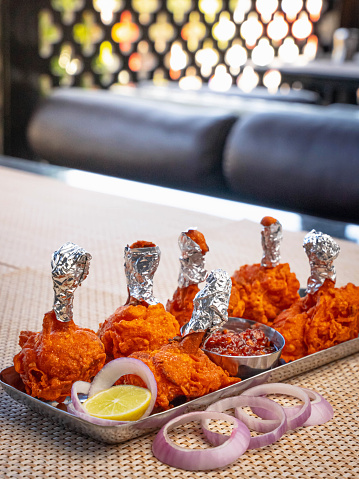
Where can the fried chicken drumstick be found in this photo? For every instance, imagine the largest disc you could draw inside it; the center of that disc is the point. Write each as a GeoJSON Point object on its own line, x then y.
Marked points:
{"type": "Point", "coordinates": [193, 248]}
{"type": "Point", "coordinates": [142, 324]}
{"type": "Point", "coordinates": [268, 288]}
{"type": "Point", "coordinates": [181, 368]}
{"type": "Point", "coordinates": [51, 360]}
{"type": "Point", "coordinates": [327, 315]}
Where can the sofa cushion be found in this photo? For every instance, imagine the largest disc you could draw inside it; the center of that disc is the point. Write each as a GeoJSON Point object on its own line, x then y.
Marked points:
{"type": "Point", "coordinates": [300, 161]}
{"type": "Point", "coordinates": [130, 137]}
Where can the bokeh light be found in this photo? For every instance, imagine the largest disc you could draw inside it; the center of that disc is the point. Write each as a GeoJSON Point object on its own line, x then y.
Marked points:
{"type": "Point", "coordinates": [248, 80]}
{"type": "Point", "coordinates": [263, 53]}
{"type": "Point", "coordinates": [193, 43]}
{"type": "Point", "coordinates": [221, 80]}
{"type": "Point", "coordinates": [251, 29]}
{"type": "Point", "coordinates": [302, 27]}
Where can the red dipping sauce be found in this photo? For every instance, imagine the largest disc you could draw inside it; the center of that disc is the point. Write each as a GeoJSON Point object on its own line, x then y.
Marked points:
{"type": "Point", "coordinates": [250, 342]}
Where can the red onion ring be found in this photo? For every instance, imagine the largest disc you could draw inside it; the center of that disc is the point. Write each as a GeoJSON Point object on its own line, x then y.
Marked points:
{"type": "Point", "coordinates": [273, 429]}
{"type": "Point", "coordinates": [321, 410]}
{"type": "Point", "coordinates": [201, 459]}
{"type": "Point", "coordinates": [105, 378]}
{"type": "Point", "coordinates": [79, 387]}
{"type": "Point", "coordinates": [301, 415]}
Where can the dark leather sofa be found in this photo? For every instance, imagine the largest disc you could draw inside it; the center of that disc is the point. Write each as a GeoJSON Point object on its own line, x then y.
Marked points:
{"type": "Point", "coordinates": [278, 154]}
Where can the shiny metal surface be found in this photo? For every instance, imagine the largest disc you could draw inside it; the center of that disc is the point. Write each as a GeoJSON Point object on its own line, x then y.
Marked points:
{"type": "Point", "coordinates": [271, 236]}
{"type": "Point", "coordinates": [140, 267]}
{"type": "Point", "coordinates": [321, 250]}
{"type": "Point", "coordinates": [192, 261]}
{"type": "Point", "coordinates": [70, 266]}
{"type": "Point", "coordinates": [210, 305]}
{"type": "Point", "coordinates": [118, 434]}
{"type": "Point", "coordinates": [245, 367]}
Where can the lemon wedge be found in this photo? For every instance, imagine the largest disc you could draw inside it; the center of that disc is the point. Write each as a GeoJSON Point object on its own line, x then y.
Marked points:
{"type": "Point", "coordinates": [119, 403]}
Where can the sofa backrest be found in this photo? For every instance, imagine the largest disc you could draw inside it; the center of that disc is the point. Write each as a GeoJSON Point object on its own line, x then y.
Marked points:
{"type": "Point", "coordinates": [133, 138]}
{"type": "Point", "coordinates": [299, 161]}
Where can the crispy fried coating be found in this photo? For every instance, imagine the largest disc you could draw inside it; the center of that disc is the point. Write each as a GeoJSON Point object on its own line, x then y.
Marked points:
{"type": "Point", "coordinates": [142, 244]}
{"type": "Point", "coordinates": [320, 320]}
{"type": "Point", "coordinates": [137, 328]}
{"type": "Point", "coordinates": [181, 305]}
{"type": "Point", "coordinates": [198, 238]}
{"type": "Point", "coordinates": [291, 324]}
{"type": "Point", "coordinates": [265, 291]}
{"type": "Point", "coordinates": [268, 220]}
{"type": "Point", "coordinates": [182, 369]}
{"type": "Point", "coordinates": [336, 318]}
{"type": "Point", "coordinates": [50, 361]}
{"type": "Point", "coordinates": [236, 306]}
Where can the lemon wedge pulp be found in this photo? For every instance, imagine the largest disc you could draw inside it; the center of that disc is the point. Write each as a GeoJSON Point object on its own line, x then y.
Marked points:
{"type": "Point", "coordinates": [119, 403]}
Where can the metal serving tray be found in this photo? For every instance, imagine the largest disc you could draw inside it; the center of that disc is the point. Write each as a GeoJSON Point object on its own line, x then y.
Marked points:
{"type": "Point", "coordinates": [11, 383]}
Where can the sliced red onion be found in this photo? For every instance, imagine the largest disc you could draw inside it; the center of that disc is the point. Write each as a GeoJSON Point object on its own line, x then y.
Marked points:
{"type": "Point", "coordinates": [273, 429]}
{"type": "Point", "coordinates": [216, 438]}
{"type": "Point", "coordinates": [79, 387]}
{"type": "Point", "coordinates": [321, 410]}
{"type": "Point", "coordinates": [301, 415]}
{"type": "Point", "coordinates": [201, 459]}
{"type": "Point", "coordinates": [106, 378]}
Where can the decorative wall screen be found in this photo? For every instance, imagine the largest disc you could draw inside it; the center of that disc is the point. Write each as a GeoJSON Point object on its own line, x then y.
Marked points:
{"type": "Point", "coordinates": [220, 42]}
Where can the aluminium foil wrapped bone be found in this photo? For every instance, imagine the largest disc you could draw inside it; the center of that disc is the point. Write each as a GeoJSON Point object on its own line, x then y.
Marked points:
{"type": "Point", "coordinates": [210, 304]}
{"type": "Point", "coordinates": [321, 250]}
{"type": "Point", "coordinates": [192, 262]}
{"type": "Point", "coordinates": [140, 267]}
{"type": "Point", "coordinates": [271, 237]}
{"type": "Point", "coordinates": [70, 266]}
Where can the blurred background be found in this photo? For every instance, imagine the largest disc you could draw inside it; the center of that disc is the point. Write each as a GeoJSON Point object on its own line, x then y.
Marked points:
{"type": "Point", "coordinates": [244, 47]}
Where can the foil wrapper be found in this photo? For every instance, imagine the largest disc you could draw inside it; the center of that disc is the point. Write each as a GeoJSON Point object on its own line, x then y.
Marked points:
{"type": "Point", "coordinates": [210, 304]}
{"type": "Point", "coordinates": [70, 266]}
{"type": "Point", "coordinates": [140, 267]}
{"type": "Point", "coordinates": [321, 250]}
{"type": "Point", "coordinates": [271, 238]}
{"type": "Point", "coordinates": [192, 262]}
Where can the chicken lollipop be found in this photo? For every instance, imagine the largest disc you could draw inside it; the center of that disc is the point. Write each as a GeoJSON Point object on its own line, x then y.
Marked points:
{"type": "Point", "coordinates": [181, 368]}
{"type": "Point", "coordinates": [142, 324]}
{"type": "Point", "coordinates": [193, 248]}
{"type": "Point", "coordinates": [51, 360]}
{"type": "Point", "coordinates": [326, 315]}
{"type": "Point", "coordinates": [270, 287]}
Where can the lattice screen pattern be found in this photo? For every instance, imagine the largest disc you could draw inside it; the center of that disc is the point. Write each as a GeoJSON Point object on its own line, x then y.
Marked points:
{"type": "Point", "coordinates": [105, 42]}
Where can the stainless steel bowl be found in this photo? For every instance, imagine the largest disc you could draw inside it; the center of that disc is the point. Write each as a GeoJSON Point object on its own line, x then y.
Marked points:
{"type": "Point", "coordinates": [247, 366]}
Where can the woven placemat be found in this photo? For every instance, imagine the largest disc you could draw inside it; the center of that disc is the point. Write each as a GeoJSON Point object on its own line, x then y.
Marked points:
{"type": "Point", "coordinates": [34, 447]}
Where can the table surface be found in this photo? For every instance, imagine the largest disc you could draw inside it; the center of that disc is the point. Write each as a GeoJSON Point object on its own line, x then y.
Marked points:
{"type": "Point", "coordinates": [38, 214]}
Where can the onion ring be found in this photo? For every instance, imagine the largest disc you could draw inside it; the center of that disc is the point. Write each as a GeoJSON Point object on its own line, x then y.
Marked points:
{"type": "Point", "coordinates": [303, 412]}
{"type": "Point", "coordinates": [201, 459]}
{"type": "Point", "coordinates": [321, 410]}
{"type": "Point", "coordinates": [273, 429]}
{"type": "Point", "coordinates": [79, 387]}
